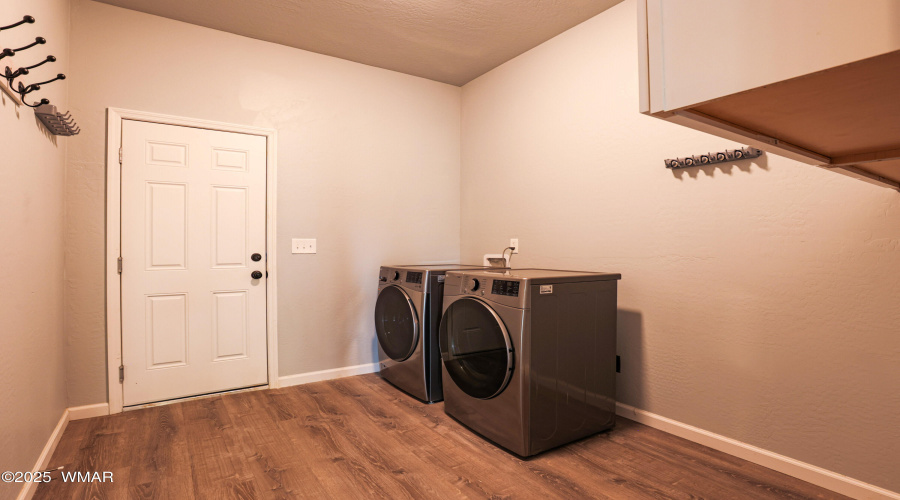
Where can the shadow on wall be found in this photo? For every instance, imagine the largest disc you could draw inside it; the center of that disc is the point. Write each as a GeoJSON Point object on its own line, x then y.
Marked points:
{"type": "Point", "coordinates": [726, 168]}
{"type": "Point", "coordinates": [630, 383]}
{"type": "Point", "coordinates": [45, 131]}
{"type": "Point", "coordinates": [7, 102]}
{"type": "Point", "coordinates": [375, 355]}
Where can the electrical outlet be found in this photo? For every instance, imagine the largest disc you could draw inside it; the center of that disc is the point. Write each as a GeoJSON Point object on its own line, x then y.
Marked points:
{"type": "Point", "coordinates": [301, 245]}
{"type": "Point", "coordinates": [514, 242]}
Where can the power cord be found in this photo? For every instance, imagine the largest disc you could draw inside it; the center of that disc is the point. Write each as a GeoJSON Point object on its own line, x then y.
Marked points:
{"type": "Point", "coordinates": [509, 260]}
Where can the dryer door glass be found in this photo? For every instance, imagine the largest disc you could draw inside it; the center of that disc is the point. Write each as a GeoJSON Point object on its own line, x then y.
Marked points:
{"type": "Point", "coordinates": [476, 348]}
{"type": "Point", "coordinates": [396, 323]}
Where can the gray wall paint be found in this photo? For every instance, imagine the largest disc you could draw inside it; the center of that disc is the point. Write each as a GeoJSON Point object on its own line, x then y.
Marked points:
{"type": "Point", "coordinates": [758, 300]}
{"type": "Point", "coordinates": [368, 163]}
{"type": "Point", "coordinates": [32, 173]}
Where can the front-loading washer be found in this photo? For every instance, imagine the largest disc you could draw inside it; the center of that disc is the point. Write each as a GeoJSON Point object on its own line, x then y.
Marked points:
{"type": "Point", "coordinates": [407, 315]}
{"type": "Point", "coordinates": [529, 355]}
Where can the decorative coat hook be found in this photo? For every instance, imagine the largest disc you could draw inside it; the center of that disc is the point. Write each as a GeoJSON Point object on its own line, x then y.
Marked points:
{"type": "Point", "coordinates": [11, 75]}
{"type": "Point", "coordinates": [26, 19]}
{"type": "Point", "coordinates": [37, 41]}
{"type": "Point", "coordinates": [11, 52]}
{"type": "Point", "coordinates": [23, 89]}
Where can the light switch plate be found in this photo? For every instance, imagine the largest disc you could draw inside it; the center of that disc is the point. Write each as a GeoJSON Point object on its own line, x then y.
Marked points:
{"type": "Point", "coordinates": [303, 245]}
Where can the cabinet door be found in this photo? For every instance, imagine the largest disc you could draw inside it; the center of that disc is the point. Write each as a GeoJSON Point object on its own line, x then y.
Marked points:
{"type": "Point", "coordinates": [698, 50]}
{"type": "Point", "coordinates": [812, 80]}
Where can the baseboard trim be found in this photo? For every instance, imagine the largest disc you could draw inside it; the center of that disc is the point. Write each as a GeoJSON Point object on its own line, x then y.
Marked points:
{"type": "Point", "coordinates": [43, 460]}
{"type": "Point", "coordinates": [786, 465]}
{"type": "Point", "coordinates": [309, 377]}
{"type": "Point", "coordinates": [88, 411]}
{"type": "Point", "coordinates": [68, 415]}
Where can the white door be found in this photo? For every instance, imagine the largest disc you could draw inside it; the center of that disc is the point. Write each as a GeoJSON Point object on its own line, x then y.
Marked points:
{"type": "Point", "coordinates": [193, 220]}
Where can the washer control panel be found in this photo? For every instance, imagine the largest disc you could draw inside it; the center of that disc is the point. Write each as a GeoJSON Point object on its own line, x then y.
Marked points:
{"type": "Point", "coordinates": [409, 280]}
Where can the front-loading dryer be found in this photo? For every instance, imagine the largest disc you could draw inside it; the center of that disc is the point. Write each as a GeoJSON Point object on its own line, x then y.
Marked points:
{"type": "Point", "coordinates": [407, 315]}
{"type": "Point", "coordinates": [529, 355]}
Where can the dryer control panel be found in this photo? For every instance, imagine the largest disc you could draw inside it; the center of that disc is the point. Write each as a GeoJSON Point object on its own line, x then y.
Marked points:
{"type": "Point", "coordinates": [505, 287]}
{"type": "Point", "coordinates": [488, 286]}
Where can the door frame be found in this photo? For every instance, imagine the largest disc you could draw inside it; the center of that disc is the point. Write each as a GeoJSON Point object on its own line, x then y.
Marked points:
{"type": "Point", "coordinates": [114, 118]}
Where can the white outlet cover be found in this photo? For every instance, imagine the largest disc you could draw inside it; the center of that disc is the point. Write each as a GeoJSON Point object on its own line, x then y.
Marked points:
{"type": "Point", "coordinates": [303, 245]}
{"type": "Point", "coordinates": [514, 242]}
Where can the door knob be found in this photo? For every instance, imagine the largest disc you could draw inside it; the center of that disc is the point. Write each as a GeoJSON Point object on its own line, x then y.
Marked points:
{"type": "Point", "coordinates": [256, 275]}
{"type": "Point", "coordinates": [256, 257]}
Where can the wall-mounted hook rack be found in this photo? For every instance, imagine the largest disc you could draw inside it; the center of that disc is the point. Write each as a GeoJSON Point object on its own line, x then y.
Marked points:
{"type": "Point", "coordinates": [712, 158]}
{"type": "Point", "coordinates": [57, 123]}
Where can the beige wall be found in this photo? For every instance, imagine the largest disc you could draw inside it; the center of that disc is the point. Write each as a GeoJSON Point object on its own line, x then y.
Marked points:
{"type": "Point", "coordinates": [32, 172]}
{"type": "Point", "coordinates": [758, 301]}
{"type": "Point", "coordinates": [368, 163]}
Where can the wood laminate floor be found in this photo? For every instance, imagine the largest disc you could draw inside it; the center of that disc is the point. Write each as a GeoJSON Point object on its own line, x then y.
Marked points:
{"type": "Point", "coordinates": [359, 437]}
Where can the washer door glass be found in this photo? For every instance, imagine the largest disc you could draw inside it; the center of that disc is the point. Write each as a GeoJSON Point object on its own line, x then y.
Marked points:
{"type": "Point", "coordinates": [396, 323]}
{"type": "Point", "coordinates": [476, 348]}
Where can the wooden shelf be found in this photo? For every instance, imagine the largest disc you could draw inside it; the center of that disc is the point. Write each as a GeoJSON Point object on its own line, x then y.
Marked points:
{"type": "Point", "coordinates": [849, 114]}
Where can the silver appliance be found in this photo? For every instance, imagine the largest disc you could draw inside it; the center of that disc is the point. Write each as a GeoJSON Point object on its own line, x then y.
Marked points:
{"type": "Point", "coordinates": [529, 355]}
{"type": "Point", "coordinates": [407, 314]}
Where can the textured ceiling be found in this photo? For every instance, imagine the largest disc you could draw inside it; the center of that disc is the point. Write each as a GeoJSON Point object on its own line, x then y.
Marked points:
{"type": "Point", "coordinates": [451, 41]}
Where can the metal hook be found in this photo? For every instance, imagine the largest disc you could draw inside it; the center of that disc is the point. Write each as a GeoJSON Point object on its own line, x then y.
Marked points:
{"type": "Point", "coordinates": [11, 52]}
{"type": "Point", "coordinates": [37, 86]}
{"type": "Point", "coordinates": [42, 101]}
{"type": "Point", "coordinates": [11, 75]}
{"type": "Point", "coordinates": [48, 59]}
{"type": "Point", "coordinates": [26, 19]}
{"type": "Point", "coordinates": [37, 41]}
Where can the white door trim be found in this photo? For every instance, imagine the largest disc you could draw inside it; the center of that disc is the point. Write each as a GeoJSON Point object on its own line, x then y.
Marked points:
{"type": "Point", "coordinates": [114, 119]}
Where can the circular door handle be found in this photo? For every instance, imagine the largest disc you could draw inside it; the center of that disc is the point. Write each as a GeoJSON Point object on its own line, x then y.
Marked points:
{"type": "Point", "coordinates": [256, 275]}
{"type": "Point", "coordinates": [256, 257]}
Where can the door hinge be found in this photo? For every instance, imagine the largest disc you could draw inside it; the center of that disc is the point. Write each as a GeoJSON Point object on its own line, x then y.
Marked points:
{"type": "Point", "coordinates": [121, 373]}
{"type": "Point", "coordinates": [119, 265]}
{"type": "Point", "coordinates": [120, 156]}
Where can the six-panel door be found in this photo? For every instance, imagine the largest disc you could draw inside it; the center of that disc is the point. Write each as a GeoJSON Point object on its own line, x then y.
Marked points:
{"type": "Point", "coordinates": [193, 213]}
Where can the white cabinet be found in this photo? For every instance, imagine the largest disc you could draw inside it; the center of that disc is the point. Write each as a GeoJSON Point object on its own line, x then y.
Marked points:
{"type": "Point", "coordinates": [814, 80]}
